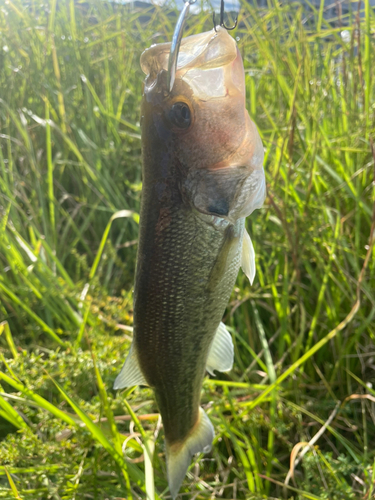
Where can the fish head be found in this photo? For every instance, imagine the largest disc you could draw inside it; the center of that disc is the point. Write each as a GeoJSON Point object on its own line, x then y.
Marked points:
{"type": "Point", "coordinates": [208, 139]}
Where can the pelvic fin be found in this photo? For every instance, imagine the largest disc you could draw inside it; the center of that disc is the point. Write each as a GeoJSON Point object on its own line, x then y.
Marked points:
{"type": "Point", "coordinates": [220, 356]}
{"type": "Point", "coordinates": [248, 257]}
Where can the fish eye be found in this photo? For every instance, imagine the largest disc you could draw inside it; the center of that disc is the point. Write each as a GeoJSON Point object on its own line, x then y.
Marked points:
{"type": "Point", "coordinates": [180, 115]}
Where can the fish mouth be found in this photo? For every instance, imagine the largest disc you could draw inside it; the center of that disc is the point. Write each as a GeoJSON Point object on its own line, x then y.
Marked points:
{"type": "Point", "coordinates": [200, 63]}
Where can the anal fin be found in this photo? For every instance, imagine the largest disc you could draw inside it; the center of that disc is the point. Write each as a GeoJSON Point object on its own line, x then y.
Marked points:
{"type": "Point", "coordinates": [248, 257]}
{"type": "Point", "coordinates": [220, 356]}
{"type": "Point", "coordinates": [130, 373]}
{"type": "Point", "coordinates": [179, 454]}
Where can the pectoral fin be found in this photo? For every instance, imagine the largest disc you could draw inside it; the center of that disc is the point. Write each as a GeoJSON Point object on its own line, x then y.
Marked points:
{"type": "Point", "coordinates": [179, 454]}
{"type": "Point", "coordinates": [221, 354]}
{"type": "Point", "coordinates": [248, 257]}
{"type": "Point", "coordinates": [130, 373]}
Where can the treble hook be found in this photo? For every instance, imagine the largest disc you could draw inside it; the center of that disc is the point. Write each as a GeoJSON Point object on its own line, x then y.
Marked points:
{"type": "Point", "coordinates": [222, 18]}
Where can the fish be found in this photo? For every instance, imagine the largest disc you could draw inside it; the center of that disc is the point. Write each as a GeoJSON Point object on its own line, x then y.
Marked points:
{"type": "Point", "coordinates": [202, 171]}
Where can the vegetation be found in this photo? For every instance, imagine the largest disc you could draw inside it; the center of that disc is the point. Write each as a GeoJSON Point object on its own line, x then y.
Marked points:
{"type": "Point", "coordinates": [70, 89]}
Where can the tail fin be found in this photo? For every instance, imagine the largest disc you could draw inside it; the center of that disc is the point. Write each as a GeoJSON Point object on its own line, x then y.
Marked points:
{"type": "Point", "coordinates": [179, 454]}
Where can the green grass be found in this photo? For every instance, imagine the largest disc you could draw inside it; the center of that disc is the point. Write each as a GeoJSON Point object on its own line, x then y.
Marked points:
{"type": "Point", "coordinates": [304, 335]}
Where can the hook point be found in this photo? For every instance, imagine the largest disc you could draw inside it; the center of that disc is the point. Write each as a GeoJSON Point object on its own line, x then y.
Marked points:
{"type": "Point", "coordinates": [222, 19]}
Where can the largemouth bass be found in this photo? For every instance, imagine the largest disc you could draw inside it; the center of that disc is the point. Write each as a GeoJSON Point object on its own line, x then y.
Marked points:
{"type": "Point", "coordinates": [202, 175]}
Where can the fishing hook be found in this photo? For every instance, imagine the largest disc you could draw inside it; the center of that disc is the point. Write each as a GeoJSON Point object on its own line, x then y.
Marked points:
{"type": "Point", "coordinates": [176, 41]}
{"type": "Point", "coordinates": [222, 19]}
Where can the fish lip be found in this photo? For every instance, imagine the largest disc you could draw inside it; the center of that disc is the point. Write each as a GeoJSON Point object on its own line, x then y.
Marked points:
{"type": "Point", "coordinates": [156, 85]}
{"type": "Point", "coordinates": [193, 47]}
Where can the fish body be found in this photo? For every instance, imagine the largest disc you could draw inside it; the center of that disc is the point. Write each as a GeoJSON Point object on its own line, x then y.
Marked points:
{"type": "Point", "coordinates": [202, 175]}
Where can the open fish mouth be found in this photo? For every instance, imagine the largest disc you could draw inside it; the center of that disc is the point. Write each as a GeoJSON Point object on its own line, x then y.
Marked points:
{"type": "Point", "coordinates": [201, 62]}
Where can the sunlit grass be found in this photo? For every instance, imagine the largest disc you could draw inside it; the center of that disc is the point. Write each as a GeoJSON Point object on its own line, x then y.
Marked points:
{"type": "Point", "coordinates": [70, 183]}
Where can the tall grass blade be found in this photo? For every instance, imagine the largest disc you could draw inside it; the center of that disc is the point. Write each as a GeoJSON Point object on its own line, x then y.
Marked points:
{"type": "Point", "coordinates": [12, 485]}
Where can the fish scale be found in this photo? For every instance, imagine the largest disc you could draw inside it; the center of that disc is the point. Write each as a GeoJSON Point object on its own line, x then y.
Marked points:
{"type": "Point", "coordinates": [177, 315]}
